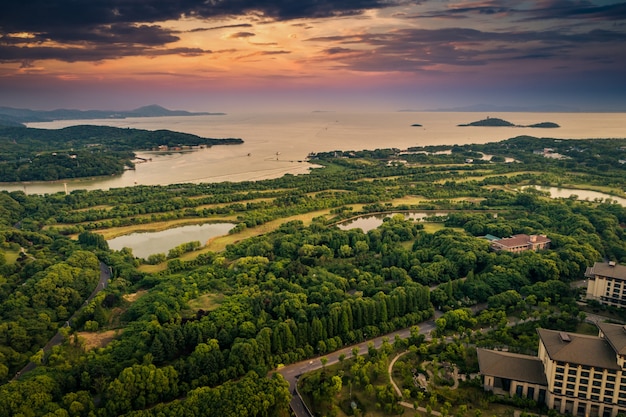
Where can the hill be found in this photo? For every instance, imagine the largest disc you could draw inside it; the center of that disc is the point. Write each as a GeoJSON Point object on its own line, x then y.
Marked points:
{"type": "Point", "coordinates": [495, 122]}
{"type": "Point", "coordinates": [11, 116]}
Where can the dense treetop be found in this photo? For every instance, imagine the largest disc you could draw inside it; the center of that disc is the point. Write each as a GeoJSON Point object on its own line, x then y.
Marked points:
{"type": "Point", "coordinates": [198, 333]}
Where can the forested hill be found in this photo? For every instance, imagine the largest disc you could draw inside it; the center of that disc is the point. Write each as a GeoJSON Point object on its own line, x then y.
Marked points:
{"type": "Point", "coordinates": [28, 154]}
{"type": "Point", "coordinates": [15, 117]}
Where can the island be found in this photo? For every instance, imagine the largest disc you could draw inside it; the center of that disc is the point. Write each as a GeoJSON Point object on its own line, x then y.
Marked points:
{"type": "Point", "coordinates": [416, 125]}
{"type": "Point", "coordinates": [28, 154]}
{"type": "Point", "coordinates": [496, 122]}
{"type": "Point", "coordinates": [17, 117]}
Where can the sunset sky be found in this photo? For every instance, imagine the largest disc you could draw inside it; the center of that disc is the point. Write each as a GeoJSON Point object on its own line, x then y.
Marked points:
{"type": "Point", "coordinates": [229, 55]}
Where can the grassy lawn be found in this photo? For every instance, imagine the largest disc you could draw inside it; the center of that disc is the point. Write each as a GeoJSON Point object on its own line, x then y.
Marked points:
{"type": "Point", "coordinates": [206, 302]}
{"type": "Point", "coordinates": [11, 256]}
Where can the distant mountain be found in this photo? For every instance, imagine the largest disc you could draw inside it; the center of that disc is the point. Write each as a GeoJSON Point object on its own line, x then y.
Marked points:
{"type": "Point", "coordinates": [17, 117]}
{"type": "Point", "coordinates": [546, 108]}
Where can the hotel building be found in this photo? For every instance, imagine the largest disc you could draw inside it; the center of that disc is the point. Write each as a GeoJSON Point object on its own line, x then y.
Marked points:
{"type": "Point", "coordinates": [607, 283]}
{"type": "Point", "coordinates": [573, 373]}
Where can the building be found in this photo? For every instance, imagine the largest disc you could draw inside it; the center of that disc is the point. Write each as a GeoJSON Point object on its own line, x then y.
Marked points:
{"type": "Point", "coordinates": [573, 374]}
{"type": "Point", "coordinates": [521, 243]}
{"type": "Point", "coordinates": [607, 283]}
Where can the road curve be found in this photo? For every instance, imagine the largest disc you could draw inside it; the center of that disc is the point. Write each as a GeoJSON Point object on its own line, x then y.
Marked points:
{"type": "Point", "coordinates": [292, 372]}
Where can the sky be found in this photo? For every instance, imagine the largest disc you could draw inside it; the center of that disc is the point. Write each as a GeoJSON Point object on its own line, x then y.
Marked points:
{"type": "Point", "coordinates": [253, 55]}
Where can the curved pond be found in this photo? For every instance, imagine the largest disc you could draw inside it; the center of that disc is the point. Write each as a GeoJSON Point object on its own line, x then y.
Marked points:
{"type": "Point", "coordinates": [144, 244]}
{"type": "Point", "coordinates": [368, 222]}
{"type": "Point", "coordinates": [556, 192]}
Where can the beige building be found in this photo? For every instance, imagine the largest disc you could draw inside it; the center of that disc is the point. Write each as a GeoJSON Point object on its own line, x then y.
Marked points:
{"type": "Point", "coordinates": [573, 373]}
{"type": "Point", "coordinates": [607, 283]}
{"type": "Point", "coordinates": [521, 243]}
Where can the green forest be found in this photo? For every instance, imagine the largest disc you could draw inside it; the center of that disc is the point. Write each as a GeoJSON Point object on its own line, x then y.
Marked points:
{"type": "Point", "coordinates": [29, 154]}
{"type": "Point", "coordinates": [199, 332]}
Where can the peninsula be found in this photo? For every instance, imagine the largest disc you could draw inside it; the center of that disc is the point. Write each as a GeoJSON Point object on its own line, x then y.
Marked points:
{"type": "Point", "coordinates": [28, 154]}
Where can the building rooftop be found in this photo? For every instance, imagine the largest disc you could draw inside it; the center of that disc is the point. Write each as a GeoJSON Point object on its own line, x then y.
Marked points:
{"type": "Point", "coordinates": [615, 334]}
{"type": "Point", "coordinates": [511, 366]}
{"type": "Point", "coordinates": [578, 349]}
{"type": "Point", "coordinates": [607, 269]}
{"type": "Point", "coordinates": [522, 240]}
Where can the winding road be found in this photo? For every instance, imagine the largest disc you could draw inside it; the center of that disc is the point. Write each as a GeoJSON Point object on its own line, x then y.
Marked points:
{"type": "Point", "coordinates": [292, 372]}
{"type": "Point", "coordinates": [57, 339]}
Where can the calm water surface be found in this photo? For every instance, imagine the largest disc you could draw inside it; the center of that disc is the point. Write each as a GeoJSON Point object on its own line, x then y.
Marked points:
{"type": "Point", "coordinates": [150, 243]}
{"type": "Point", "coordinates": [372, 221]}
{"type": "Point", "coordinates": [276, 144]}
{"type": "Point", "coordinates": [556, 192]}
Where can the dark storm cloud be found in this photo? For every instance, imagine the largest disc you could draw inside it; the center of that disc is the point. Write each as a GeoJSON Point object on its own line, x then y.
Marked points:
{"type": "Point", "coordinates": [242, 25]}
{"type": "Point", "coordinates": [417, 49]}
{"type": "Point", "coordinates": [48, 15]}
{"type": "Point", "coordinates": [113, 28]}
{"type": "Point", "coordinates": [537, 10]}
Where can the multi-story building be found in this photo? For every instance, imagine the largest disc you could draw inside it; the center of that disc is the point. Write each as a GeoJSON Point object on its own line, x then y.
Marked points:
{"type": "Point", "coordinates": [606, 283]}
{"type": "Point", "coordinates": [521, 243]}
{"type": "Point", "coordinates": [573, 373]}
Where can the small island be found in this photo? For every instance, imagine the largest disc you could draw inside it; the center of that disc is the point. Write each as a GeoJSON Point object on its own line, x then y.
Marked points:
{"type": "Point", "coordinates": [496, 122]}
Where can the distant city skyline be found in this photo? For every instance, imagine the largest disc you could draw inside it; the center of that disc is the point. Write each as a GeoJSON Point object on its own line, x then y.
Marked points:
{"type": "Point", "coordinates": [361, 55]}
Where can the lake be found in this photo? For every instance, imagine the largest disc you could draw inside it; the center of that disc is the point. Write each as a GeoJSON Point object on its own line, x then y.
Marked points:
{"type": "Point", "coordinates": [277, 144]}
{"type": "Point", "coordinates": [556, 192]}
{"type": "Point", "coordinates": [145, 244]}
{"type": "Point", "coordinates": [369, 222]}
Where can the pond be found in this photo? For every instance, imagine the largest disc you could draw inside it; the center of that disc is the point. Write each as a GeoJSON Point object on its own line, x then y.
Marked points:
{"type": "Point", "coordinates": [369, 222]}
{"type": "Point", "coordinates": [144, 244]}
{"type": "Point", "coordinates": [556, 192]}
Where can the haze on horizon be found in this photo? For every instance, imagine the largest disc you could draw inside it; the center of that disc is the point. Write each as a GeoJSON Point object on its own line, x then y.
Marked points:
{"type": "Point", "coordinates": [227, 55]}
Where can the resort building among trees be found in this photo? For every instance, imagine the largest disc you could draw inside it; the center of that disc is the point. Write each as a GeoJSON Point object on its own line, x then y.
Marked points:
{"type": "Point", "coordinates": [607, 283]}
{"type": "Point", "coordinates": [573, 374]}
{"type": "Point", "coordinates": [521, 243]}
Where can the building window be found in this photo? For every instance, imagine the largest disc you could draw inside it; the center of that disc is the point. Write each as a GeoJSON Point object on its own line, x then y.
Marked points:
{"type": "Point", "coordinates": [570, 386]}
{"type": "Point", "coordinates": [558, 377]}
{"type": "Point", "coordinates": [571, 379]}
{"type": "Point", "coordinates": [560, 384]}
{"type": "Point", "coordinates": [557, 390]}
{"type": "Point", "coordinates": [595, 397]}
{"type": "Point", "coordinates": [569, 393]}
{"type": "Point", "coordinates": [597, 375]}
{"type": "Point", "coordinates": [584, 374]}
{"type": "Point", "coordinates": [595, 390]}
{"type": "Point", "coordinates": [597, 383]}
{"type": "Point", "coordinates": [572, 372]}
{"type": "Point", "coordinates": [610, 385]}
{"type": "Point", "coordinates": [608, 393]}
{"type": "Point", "coordinates": [582, 395]}
{"type": "Point", "coordinates": [584, 381]}
{"type": "Point", "coordinates": [560, 369]}
{"type": "Point", "coordinates": [610, 378]}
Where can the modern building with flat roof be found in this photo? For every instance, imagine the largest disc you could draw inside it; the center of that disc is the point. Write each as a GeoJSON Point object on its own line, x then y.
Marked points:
{"type": "Point", "coordinates": [573, 373]}
{"type": "Point", "coordinates": [606, 283]}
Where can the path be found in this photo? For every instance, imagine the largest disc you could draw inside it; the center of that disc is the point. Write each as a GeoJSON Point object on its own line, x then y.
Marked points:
{"type": "Point", "coordinates": [57, 339]}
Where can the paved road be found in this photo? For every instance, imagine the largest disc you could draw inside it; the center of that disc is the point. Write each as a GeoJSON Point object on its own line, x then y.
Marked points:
{"type": "Point", "coordinates": [292, 372]}
{"type": "Point", "coordinates": [57, 339]}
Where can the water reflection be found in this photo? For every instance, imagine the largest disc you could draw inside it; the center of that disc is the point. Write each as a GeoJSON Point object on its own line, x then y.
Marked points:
{"type": "Point", "coordinates": [144, 244]}
{"type": "Point", "coordinates": [556, 192]}
{"type": "Point", "coordinates": [369, 222]}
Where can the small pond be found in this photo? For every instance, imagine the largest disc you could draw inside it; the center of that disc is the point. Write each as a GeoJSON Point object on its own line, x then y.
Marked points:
{"type": "Point", "coordinates": [145, 244]}
{"type": "Point", "coordinates": [556, 192]}
{"type": "Point", "coordinates": [368, 222]}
